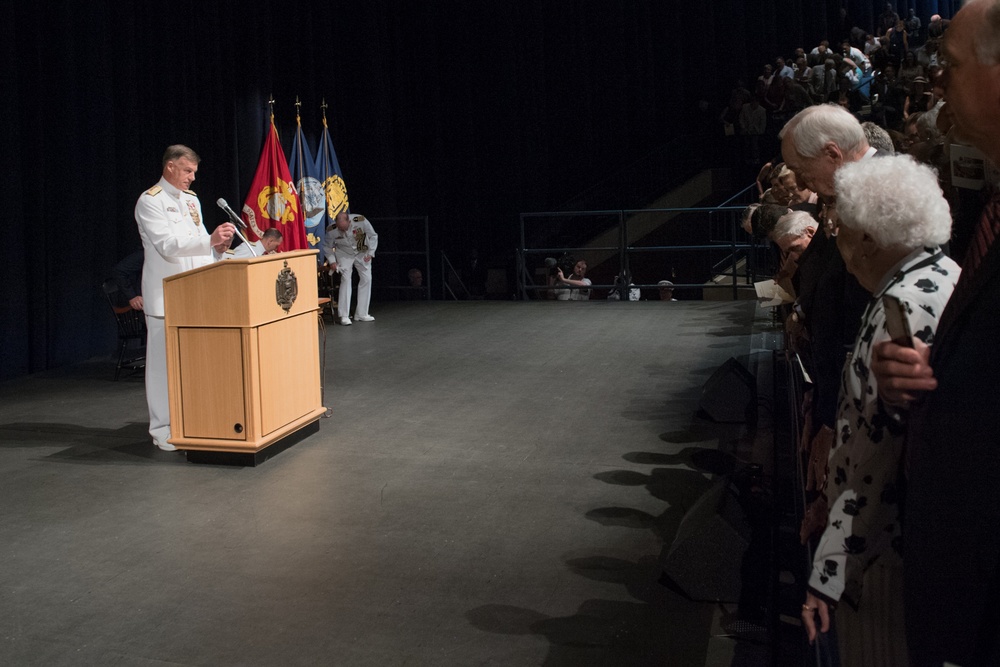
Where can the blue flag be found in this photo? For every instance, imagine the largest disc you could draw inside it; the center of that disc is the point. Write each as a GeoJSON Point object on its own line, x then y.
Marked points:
{"type": "Point", "coordinates": [310, 188]}
{"type": "Point", "coordinates": [329, 174]}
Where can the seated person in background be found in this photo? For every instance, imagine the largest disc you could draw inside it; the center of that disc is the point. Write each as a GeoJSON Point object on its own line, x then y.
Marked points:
{"type": "Point", "coordinates": [577, 279]}
{"type": "Point", "coordinates": [415, 281]}
{"type": "Point", "coordinates": [127, 275]}
{"type": "Point", "coordinates": [892, 220]}
{"type": "Point", "coordinates": [666, 289]}
{"type": "Point", "coordinates": [267, 245]}
{"type": "Point", "coordinates": [616, 292]}
{"type": "Point", "coordinates": [415, 277]}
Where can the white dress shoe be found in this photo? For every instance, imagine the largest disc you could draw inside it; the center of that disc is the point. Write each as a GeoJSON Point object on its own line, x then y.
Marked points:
{"type": "Point", "coordinates": [165, 446]}
{"type": "Point", "coordinates": [364, 318]}
{"type": "Point", "coordinates": [346, 321]}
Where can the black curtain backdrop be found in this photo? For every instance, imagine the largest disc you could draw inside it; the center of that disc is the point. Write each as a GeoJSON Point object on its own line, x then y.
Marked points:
{"type": "Point", "coordinates": [469, 112]}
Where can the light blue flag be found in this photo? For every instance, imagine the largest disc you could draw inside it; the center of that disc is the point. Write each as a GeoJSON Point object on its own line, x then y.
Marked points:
{"type": "Point", "coordinates": [310, 189]}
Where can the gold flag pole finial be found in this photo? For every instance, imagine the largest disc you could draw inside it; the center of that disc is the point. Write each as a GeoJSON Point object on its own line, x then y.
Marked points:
{"type": "Point", "coordinates": [323, 107]}
{"type": "Point", "coordinates": [270, 105]}
{"type": "Point", "coordinates": [298, 110]}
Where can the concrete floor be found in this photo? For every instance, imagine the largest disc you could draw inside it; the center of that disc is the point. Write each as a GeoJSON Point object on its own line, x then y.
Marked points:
{"type": "Point", "coordinates": [494, 488]}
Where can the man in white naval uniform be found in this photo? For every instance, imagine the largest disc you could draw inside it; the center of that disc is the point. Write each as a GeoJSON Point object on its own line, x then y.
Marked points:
{"type": "Point", "coordinates": [174, 239]}
{"type": "Point", "coordinates": [350, 243]}
{"type": "Point", "coordinates": [267, 245]}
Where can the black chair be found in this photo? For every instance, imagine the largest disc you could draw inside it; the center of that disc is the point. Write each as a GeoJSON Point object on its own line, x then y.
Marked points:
{"type": "Point", "coordinates": [131, 330]}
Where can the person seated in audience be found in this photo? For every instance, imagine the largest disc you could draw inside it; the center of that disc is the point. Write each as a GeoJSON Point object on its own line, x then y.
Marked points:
{"type": "Point", "coordinates": [892, 220]}
{"type": "Point", "coordinates": [666, 290]}
{"type": "Point", "coordinates": [937, 26]}
{"type": "Point", "coordinates": [803, 73]}
{"type": "Point", "coordinates": [909, 70]}
{"type": "Point", "coordinates": [796, 97]}
{"type": "Point", "coordinates": [917, 97]}
{"type": "Point", "coordinates": [819, 54]}
{"type": "Point", "coordinates": [763, 81]}
{"type": "Point", "coordinates": [127, 275]}
{"type": "Point", "coordinates": [783, 69]}
{"type": "Point", "coordinates": [576, 286]}
{"type": "Point", "coordinates": [856, 56]}
{"type": "Point", "coordinates": [912, 24]}
{"type": "Point", "coordinates": [752, 123]}
{"type": "Point", "coordinates": [831, 82]}
{"type": "Point", "coordinates": [872, 44]}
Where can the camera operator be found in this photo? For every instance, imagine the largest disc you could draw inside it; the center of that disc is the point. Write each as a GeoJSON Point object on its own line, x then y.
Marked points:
{"type": "Point", "coordinates": [577, 280]}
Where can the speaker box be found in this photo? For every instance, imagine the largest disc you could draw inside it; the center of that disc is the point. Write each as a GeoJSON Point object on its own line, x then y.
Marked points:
{"type": "Point", "coordinates": [706, 556]}
{"type": "Point", "coordinates": [730, 395]}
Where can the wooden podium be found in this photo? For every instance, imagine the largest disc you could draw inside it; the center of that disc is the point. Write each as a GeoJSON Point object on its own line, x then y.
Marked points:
{"type": "Point", "coordinates": [243, 356]}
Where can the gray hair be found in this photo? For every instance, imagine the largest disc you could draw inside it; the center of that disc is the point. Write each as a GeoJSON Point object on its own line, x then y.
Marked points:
{"type": "Point", "coordinates": [878, 138]}
{"type": "Point", "coordinates": [177, 151]}
{"type": "Point", "coordinates": [813, 127]}
{"type": "Point", "coordinates": [895, 200]}
{"type": "Point", "coordinates": [794, 224]}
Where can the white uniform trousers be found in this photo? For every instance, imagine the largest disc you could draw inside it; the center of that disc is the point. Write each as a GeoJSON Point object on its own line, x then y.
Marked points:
{"type": "Point", "coordinates": [364, 286]}
{"type": "Point", "coordinates": [156, 380]}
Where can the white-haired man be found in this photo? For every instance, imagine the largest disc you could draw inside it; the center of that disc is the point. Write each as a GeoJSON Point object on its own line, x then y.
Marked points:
{"type": "Point", "coordinates": [829, 302]}
{"type": "Point", "coordinates": [951, 544]}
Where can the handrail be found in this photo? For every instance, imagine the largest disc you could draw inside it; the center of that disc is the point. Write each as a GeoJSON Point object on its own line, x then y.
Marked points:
{"type": "Point", "coordinates": [623, 249]}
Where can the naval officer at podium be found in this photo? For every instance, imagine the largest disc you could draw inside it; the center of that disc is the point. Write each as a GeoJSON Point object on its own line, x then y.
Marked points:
{"type": "Point", "coordinates": [174, 239]}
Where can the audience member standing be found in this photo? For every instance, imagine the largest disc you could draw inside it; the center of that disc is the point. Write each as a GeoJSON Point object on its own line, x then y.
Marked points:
{"type": "Point", "coordinates": [951, 544]}
{"type": "Point", "coordinates": [893, 218]}
{"type": "Point", "coordinates": [753, 122]}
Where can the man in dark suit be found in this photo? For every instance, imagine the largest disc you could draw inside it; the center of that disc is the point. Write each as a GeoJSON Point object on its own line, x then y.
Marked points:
{"type": "Point", "coordinates": [951, 525]}
{"type": "Point", "coordinates": [829, 301]}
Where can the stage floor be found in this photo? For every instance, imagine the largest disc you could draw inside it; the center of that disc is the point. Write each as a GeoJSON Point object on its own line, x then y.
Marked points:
{"type": "Point", "coordinates": [495, 487]}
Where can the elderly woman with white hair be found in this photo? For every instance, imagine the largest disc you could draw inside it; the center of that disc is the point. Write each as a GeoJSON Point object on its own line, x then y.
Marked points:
{"type": "Point", "coordinates": [892, 218]}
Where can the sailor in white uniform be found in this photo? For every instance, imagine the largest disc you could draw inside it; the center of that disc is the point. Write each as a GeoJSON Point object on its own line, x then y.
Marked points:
{"type": "Point", "coordinates": [267, 245]}
{"type": "Point", "coordinates": [174, 239]}
{"type": "Point", "coordinates": [350, 244]}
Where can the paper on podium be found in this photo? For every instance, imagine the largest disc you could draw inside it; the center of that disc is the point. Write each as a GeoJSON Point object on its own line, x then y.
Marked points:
{"type": "Point", "coordinates": [770, 294]}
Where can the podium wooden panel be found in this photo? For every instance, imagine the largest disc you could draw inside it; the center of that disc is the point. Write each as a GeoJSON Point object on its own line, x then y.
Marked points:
{"type": "Point", "coordinates": [242, 372]}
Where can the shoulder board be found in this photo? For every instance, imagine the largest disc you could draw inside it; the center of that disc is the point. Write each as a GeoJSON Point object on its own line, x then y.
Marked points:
{"type": "Point", "coordinates": [190, 192]}
{"type": "Point", "coordinates": [155, 190]}
{"type": "Point", "coordinates": [230, 252]}
{"type": "Point", "coordinates": [358, 218]}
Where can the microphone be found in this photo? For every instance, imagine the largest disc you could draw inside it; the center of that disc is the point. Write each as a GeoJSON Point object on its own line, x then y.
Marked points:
{"type": "Point", "coordinates": [236, 220]}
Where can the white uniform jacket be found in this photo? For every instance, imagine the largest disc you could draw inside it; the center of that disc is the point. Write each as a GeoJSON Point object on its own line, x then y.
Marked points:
{"type": "Point", "coordinates": [174, 239]}
{"type": "Point", "coordinates": [359, 239]}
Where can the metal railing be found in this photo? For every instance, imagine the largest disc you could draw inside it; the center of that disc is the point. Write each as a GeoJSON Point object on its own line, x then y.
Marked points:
{"type": "Point", "coordinates": [623, 250]}
{"type": "Point", "coordinates": [398, 243]}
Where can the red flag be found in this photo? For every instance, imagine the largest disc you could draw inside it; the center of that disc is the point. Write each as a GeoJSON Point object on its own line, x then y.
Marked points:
{"type": "Point", "coordinates": [273, 200]}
